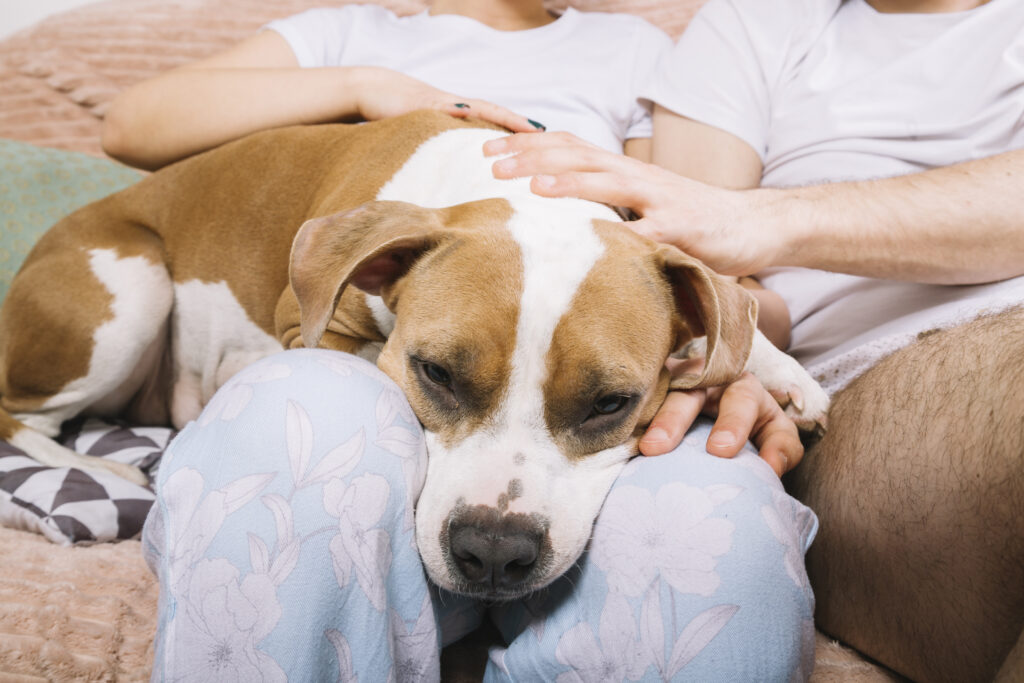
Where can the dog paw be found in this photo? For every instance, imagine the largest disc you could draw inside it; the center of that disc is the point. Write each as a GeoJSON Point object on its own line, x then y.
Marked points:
{"type": "Point", "coordinates": [802, 398]}
{"type": "Point", "coordinates": [805, 404]}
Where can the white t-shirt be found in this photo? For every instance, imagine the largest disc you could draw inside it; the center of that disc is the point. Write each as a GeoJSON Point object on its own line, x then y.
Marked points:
{"type": "Point", "coordinates": [580, 73]}
{"type": "Point", "coordinates": [827, 91]}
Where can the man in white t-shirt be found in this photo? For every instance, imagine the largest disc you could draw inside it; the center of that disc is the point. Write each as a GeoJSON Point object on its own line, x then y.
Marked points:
{"type": "Point", "coordinates": [888, 139]}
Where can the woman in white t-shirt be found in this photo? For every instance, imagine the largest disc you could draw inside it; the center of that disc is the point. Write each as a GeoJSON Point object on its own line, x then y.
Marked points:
{"type": "Point", "coordinates": [282, 531]}
{"type": "Point", "coordinates": [362, 62]}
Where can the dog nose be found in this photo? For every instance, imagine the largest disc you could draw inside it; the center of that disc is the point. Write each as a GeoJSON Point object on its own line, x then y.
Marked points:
{"type": "Point", "coordinates": [496, 553]}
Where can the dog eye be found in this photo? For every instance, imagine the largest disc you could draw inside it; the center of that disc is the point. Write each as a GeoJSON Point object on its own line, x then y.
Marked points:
{"type": "Point", "coordinates": [609, 405]}
{"type": "Point", "coordinates": [436, 374]}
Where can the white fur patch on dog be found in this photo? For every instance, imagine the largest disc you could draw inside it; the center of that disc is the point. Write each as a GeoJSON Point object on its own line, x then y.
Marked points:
{"type": "Point", "coordinates": [781, 375]}
{"type": "Point", "coordinates": [450, 169]}
{"type": "Point", "coordinates": [213, 338]}
{"type": "Point", "coordinates": [141, 293]}
{"type": "Point", "coordinates": [384, 318]}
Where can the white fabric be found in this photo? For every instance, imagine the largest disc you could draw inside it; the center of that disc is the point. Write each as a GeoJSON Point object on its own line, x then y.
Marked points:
{"type": "Point", "coordinates": [828, 91]}
{"type": "Point", "coordinates": [580, 73]}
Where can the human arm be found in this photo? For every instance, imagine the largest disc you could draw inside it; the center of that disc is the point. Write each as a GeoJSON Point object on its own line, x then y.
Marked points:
{"type": "Point", "coordinates": [711, 155]}
{"type": "Point", "coordinates": [959, 224]}
{"type": "Point", "coordinates": [953, 225]}
{"type": "Point", "coordinates": [258, 84]}
{"type": "Point", "coordinates": [638, 148]}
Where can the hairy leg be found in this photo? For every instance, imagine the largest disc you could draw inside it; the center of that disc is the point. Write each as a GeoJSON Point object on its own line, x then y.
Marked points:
{"type": "Point", "coordinates": [919, 486]}
{"type": "Point", "coordinates": [1013, 666]}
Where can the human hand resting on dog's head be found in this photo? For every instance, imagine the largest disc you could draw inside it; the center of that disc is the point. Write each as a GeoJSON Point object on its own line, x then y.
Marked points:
{"type": "Point", "coordinates": [718, 226]}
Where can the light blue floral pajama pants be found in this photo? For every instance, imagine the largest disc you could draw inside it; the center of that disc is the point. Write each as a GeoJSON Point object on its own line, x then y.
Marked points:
{"type": "Point", "coordinates": [283, 540]}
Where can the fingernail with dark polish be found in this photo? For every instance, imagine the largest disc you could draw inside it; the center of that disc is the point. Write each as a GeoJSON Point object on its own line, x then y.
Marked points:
{"type": "Point", "coordinates": [462, 105]}
{"type": "Point", "coordinates": [537, 125]}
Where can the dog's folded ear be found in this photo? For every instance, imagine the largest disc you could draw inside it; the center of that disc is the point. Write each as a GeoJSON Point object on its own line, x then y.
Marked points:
{"type": "Point", "coordinates": [714, 307]}
{"type": "Point", "coordinates": [370, 247]}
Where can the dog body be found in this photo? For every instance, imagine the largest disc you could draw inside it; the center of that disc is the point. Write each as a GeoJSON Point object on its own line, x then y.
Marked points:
{"type": "Point", "coordinates": [529, 334]}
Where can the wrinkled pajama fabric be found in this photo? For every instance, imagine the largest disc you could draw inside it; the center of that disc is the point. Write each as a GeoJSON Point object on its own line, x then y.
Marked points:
{"type": "Point", "coordinates": [283, 540]}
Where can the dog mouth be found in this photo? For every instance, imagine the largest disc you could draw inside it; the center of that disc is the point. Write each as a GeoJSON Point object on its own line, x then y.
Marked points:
{"type": "Point", "coordinates": [495, 595]}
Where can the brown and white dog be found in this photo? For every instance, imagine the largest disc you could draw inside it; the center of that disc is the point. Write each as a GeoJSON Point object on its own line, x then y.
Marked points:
{"type": "Point", "coordinates": [528, 334]}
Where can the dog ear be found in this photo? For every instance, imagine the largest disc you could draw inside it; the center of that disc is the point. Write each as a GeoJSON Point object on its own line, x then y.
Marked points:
{"type": "Point", "coordinates": [370, 247]}
{"type": "Point", "coordinates": [712, 306]}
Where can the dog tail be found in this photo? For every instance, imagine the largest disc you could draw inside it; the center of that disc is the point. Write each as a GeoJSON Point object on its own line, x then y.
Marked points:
{"type": "Point", "coordinates": [48, 452]}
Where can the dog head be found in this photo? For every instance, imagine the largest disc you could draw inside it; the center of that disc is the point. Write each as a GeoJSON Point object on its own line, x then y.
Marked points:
{"type": "Point", "coordinates": [530, 338]}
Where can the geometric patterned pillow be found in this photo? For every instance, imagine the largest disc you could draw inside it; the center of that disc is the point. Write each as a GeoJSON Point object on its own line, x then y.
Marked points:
{"type": "Point", "coordinates": [68, 505]}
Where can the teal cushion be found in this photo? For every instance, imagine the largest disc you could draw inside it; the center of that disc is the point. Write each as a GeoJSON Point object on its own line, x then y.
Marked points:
{"type": "Point", "coordinates": [38, 187]}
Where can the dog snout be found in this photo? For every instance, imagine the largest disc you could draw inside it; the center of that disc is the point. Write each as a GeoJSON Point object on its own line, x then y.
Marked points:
{"type": "Point", "coordinates": [495, 553]}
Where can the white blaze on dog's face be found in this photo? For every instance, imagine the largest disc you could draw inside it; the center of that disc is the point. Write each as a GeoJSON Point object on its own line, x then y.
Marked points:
{"type": "Point", "coordinates": [525, 352]}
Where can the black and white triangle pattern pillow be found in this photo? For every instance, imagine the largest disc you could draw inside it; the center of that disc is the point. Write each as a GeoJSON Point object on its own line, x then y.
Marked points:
{"type": "Point", "coordinates": [69, 505]}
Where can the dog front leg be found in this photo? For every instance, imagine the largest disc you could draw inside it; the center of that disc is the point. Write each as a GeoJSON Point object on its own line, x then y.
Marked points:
{"type": "Point", "coordinates": [803, 399]}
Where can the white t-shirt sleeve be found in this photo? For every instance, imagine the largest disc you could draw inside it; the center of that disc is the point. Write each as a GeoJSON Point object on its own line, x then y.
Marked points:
{"type": "Point", "coordinates": [318, 36]}
{"type": "Point", "coordinates": [651, 44]}
{"type": "Point", "coordinates": [725, 66]}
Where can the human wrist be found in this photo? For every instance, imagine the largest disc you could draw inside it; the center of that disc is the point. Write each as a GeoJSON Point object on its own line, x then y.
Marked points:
{"type": "Point", "coordinates": [772, 213]}
{"type": "Point", "coordinates": [353, 85]}
{"type": "Point", "coordinates": [787, 219]}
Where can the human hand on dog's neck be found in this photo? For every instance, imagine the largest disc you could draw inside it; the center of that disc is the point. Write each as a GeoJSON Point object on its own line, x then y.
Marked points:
{"type": "Point", "coordinates": [503, 15]}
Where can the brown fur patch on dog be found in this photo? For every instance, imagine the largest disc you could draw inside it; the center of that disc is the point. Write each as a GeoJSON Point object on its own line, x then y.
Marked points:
{"type": "Point", "coordinates": [458, 307]}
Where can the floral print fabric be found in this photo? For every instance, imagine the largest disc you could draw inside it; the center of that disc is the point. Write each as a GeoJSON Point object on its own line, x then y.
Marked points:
{"type": "Point", "coordinates": [283, 540]}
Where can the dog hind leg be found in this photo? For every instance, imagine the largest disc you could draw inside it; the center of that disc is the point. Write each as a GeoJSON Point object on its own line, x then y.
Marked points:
{"type": "Point", "coordinates": [81, 344]}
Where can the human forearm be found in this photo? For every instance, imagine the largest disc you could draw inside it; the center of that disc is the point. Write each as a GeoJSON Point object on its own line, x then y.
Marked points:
{"type": "Point", "coordinates": [190, 110]}
{"type": "Point", "coordinates": [772, 313]}
{"type": "Point", "coordinates": [961, 224]}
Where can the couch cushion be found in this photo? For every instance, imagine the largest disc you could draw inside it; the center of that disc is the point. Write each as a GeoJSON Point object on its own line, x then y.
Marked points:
{"type": "Point", "coordinates": [39, 186]}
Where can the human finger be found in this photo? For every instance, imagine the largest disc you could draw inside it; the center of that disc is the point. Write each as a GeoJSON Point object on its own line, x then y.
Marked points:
{"type": "Point", "coordinates": [737, 408]}
{"type": "Point", "coordinates": [552, 158]}
{"type": "Point", "coordinates": [746, 410]}
{"type": "Point", "coordinates": [494, 113]}
{"type": "Point", "coordinates": [673, 419]}
{"type": "Point", "coordinates": [779, 445]}
{"type": "Point", "coordinates": [677, 412]}
{"type": "Point", "coordinates": [606, 188]}
{"type": "Point", "coordinates": [516, 144]}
